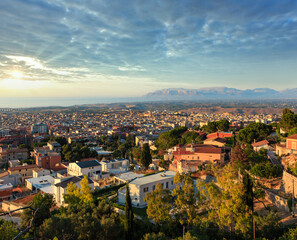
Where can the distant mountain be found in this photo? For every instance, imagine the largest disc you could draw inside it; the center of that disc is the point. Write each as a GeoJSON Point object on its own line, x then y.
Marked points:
{"type": "Point", "coordinates": [220, 93]}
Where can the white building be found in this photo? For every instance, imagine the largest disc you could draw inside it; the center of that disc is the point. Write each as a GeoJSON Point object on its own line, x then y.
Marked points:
{"type": "Point", "coordinates": [39, 128]}
{"type": "Point", "coordinates": [40, 172]}
{"type": "Point", "coordinates": [141, 186]}
{"type": "Point", "coordinates": [115, 166]}
{"type": "Point", "coordinates": [36, 183]}
{"type": "Point", "coordinates": [90, 168]}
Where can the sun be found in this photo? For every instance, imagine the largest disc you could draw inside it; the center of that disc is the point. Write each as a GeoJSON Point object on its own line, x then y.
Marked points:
{"type": "Point", "coordinates": [16, 74]}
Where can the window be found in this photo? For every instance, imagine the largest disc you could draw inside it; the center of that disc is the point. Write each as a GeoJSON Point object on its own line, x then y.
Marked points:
{"type": "Point", "coordinates": [171, 182]}
{"type": "Point", "coordinates": [162, 185]}
{"type": "Point", "coordinates": [145, 189]}
{"type": "Point", "coordinates": [166, 184]}
{"type": "Point", "coordinates": [154, 187]}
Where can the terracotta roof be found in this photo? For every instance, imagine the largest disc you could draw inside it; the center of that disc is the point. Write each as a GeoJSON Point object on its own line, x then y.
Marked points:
{"type": "Point", "coordinates": [4, 174]}
{"type": "Point", "coordinates": [292, 136]}
{"type": "Point", "coordinates": [261, 143]}
{"type": "Point", "coordinates": [24, 201]}
{"type": "Point", "coordinates": [22, 167]}
{"type": "Point", "coordinates": [221, 140]}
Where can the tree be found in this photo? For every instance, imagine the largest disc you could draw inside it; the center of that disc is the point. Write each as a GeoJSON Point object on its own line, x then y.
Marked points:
{"type": "Point", "coordinates": [74, 195]}
{"type": "Point", "coordinates": [129, 216]}
{"type": "Point", "coordinates": [288, 120]}
{"type": "Point", "coordinates": [192, 136]}
{"type": "Point", "coordinates": [42, 202]}
{"type": "Point", "coordinates": [186, 201]}
{"type": "Point", "coordinates": [8, 230]}
{"type": "Point", "coordinates": [293, 131]}
{"type": "Point", "coordinates": [159, 204]}
{"type": "Point", "coordinates": [266, 223]}
{"type": "Point", "coordinates": [226, 202]}
{"type": "Point", "coordinates": [86, 195]}
{"type": "Point", "coordinates": [290, 235]}
{"type": "Point", "coordinates": [59, 226]}
{"type": "Point", "coordinates": [136, 152]}
{"type": "Point", "coordinates": [146, 158]}
{"type": "Point", "coordinates": [155, 236]}
{"type": "Point", "coordinates": [238, 156]}
{"type": "Point", "coordinates": [171, 138]}
{"type": "Point", "coordinates": [223, 125]}
{"type": "Point", "coordinates": [254, 132]}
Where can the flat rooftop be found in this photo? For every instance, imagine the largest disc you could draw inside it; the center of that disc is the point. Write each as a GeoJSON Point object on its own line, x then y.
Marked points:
{"type": "Point", "coordinates": [154, 178]}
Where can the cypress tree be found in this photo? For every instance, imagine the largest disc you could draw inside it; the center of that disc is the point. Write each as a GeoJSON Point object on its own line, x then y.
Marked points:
{"type": "Point", "coordinates": [129, 216]}
{"type": "Point", "coordinates": [146, 158]}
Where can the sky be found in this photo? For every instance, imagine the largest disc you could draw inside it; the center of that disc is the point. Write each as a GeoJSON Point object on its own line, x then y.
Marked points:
{"type": "Point", "coordinates": [118, 48]}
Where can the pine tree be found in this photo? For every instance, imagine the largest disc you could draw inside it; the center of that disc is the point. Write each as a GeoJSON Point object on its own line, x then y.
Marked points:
{"type": "Point", "coordinates": [238, 156]}
{"type": "Point", "coordinates": [129, 216]}
{"type": "Point", "coordinates": [146, 158]}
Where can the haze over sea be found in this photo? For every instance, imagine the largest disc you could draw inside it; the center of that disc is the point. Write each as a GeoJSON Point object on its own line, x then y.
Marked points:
{"type": "Point", "coordinates": [45, 102]}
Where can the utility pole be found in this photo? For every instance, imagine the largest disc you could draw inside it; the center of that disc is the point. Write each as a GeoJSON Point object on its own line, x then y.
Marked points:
{"type": "Point", "coordinates": [293, 198]}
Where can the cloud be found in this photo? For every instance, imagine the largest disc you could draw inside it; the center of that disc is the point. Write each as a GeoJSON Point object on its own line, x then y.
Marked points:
{"type": "Point", "coordinates": [131, 68]}
{"type": "Point", "coordinates": [168, 41]}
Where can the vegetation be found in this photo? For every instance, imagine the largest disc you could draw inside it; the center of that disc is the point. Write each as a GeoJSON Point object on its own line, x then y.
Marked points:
{"type": "Point", "coordinates": [145, 157]}
{"type": "Point", "coordinates": [254, 132]}
{"type": "Point", "coordinates": [129, 216]}
{"type": "Point", "coordinates": [159, 204]}
{"type": "Point", "coordinates": [221, 125]}
{"type": "Point", "coordinates": [76, 151]}
{"type": "Point", "coordinates": [8, 230]}
{"type": "Point", "coordinates": [171, 138]}
{"type": "Point", "coordinates": [288, 120]}
{"type": "Point", "coordinates": [266, 170]}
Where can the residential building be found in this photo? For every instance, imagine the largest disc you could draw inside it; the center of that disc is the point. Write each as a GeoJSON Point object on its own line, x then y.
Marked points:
{"type": "Point", "coordinates": [219, 135]}
{"type": "Point", "coordinates": [39, 128]}
{"type": "Point", "coordinates": [220, 142]}
{"type": "Point", "coordinates": [54, 146]}
{"type": "Point", "coordinates": [190, 157]}
{"type": "Point", "coordinates": [7, 154]}
{"type": "Point", "coordinates": [14, 179]}
{"type": "Point", "coordinates": [262, 144]}
{"type": "Point", "coordinates": [46, 158]}
{"type": "Point", "coordinates": [5, 192]}
{"type": "Point", "coordinates": [36, 183]}
{"type": "Point", "coordinates": [115, 166]}
{"type": "Point", "coordinates": [289, 147]}
{"type": "Point", "coordinates": [139, 187]}
{"type": "Point", "coordinates": [90, 168]}
{"type": "Point", "coordinates": [40, 172]}
{"type": "Point", "coordinates": [25, 171]}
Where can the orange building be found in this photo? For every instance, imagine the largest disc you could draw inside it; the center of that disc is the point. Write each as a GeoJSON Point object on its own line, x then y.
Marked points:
{"type": "Point", "coordinates": [190, 157]}
{"type": "Point", "coordinates": [219, 135]}
{"type": "Point", "coordinates": [289, 147]}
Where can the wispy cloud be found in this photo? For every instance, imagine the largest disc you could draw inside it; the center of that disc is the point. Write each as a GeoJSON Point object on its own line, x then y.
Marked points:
{"type": "Point", "coordinates": [193, 42]}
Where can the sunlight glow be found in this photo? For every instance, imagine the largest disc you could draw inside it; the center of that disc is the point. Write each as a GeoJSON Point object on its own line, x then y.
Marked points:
{"type": "Point", "coordinates": [21, 84]}
{"type": "Point", "coordinates": [16, 74]}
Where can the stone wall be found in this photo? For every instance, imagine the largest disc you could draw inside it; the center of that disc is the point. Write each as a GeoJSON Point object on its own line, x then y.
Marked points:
{"type": "Point", "coordinates": [287, 183]}
{"type": "Point", "coordinates": [278, 201]}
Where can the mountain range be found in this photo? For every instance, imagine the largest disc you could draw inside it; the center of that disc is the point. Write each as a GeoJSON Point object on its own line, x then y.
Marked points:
{"type": "Point", "coordinates": [223, 93]}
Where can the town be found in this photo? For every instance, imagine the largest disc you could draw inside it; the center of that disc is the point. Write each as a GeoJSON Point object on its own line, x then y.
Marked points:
{"type": "Point", "coordinates": [146, 153]}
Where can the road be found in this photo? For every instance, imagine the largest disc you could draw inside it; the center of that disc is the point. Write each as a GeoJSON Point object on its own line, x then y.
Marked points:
{"type": "Point", "coordinates": [273, 158]}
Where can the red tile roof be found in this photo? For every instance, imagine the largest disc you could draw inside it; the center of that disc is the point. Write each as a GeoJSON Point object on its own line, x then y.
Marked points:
{"type": "Point", "coordinates": [292, 136]}
{"type": "Point", "coordinates": [22, 167]}
{"type": "Point", "coordinates": [261, 143]}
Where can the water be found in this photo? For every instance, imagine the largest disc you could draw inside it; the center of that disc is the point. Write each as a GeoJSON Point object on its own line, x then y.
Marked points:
{"type": "Point", "coordinates": [46, 102]}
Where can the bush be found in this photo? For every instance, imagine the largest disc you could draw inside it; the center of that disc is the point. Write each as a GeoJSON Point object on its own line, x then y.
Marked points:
{"type": "Point", "coordinates": [266, 170]}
